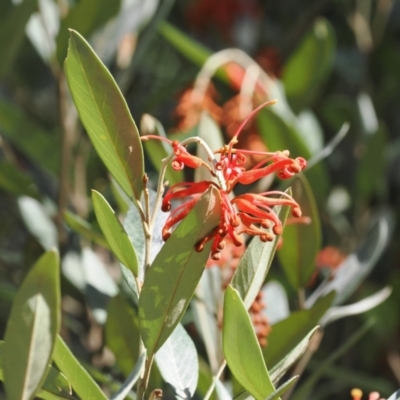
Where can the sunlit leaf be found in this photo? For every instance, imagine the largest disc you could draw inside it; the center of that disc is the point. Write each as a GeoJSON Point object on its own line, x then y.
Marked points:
{"type": "Point", "coordinates": [115, 233]}
{"type": "Point", "coordinates": [290, 358]}
{"type": "Point", "coordinates": [301, 242]}
{"type": "Point", "coordinates": [286, 334]}
{"type": "Point", "coordinates": [255, 263]}
{"type": "Point", "coordinates": [80, 380]}
{"type": "Point", "coordinates": [55, 386]}
{"type": "Point", "coordinates": [362, 306]}
{"type": "Point", "coordinates": [32, 328]}
{"type": "Point", "coordinates": [241, 348]}
{"type": "Point", "coordinates": [122, 334]}
{"type": "Point", "coordinates": [12, 33]}
{"type": "Point", "coordinates": [178, 363]}
{"type": "Point", "coordinates": [173, 276]}
{"type": "Point", "coordinates": [308, 68]}
{"type": "Point", "coordinates": [105, 115]}
{"type": "Point", "coordinates": [79, 225]}
{"type": "Point", "coordinates": [85, 17]}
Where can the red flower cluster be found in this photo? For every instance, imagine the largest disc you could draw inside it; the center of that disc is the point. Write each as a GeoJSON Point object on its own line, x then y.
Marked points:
{"type": "Point", "coordinates": [248, 213]}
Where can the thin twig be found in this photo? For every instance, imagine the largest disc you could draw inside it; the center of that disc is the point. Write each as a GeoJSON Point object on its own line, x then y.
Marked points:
{"type": "Point", "coordinates": [214, 381]}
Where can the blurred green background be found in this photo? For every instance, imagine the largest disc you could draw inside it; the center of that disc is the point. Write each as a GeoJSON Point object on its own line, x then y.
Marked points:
{"type": "Point", "coordinates": [335, 61]}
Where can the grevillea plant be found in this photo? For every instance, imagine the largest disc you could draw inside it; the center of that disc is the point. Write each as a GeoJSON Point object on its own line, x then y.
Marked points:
{"type": "Point", "coordinates": [198, 251]}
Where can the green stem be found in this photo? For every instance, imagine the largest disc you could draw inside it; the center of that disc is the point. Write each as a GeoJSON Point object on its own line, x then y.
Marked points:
{"type": "Point", "coordinates": [214, 381]}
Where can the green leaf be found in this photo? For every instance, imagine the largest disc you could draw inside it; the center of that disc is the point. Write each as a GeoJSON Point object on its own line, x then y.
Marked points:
{"type": "Point", "coordinates": [205, 380]}
{"type": "Point", "coordinates": [15, 181]}
{"type": "Point", "coordinates": [131, 380]}
{"type": "Point", "coordinates": [79, 225]}
{"type": "Point", "coordinates": [286, 334]}
{"type": "Point", "coordinates": [105, 115]}
{"type": "Point", "coordinates": [115, 233]}
{"type": "Point", "coordinates": [81, 381]}
{"type": "Point", "coordinates": [282, 389]}
{"type": "Point", "coordinates": [28, 136]}
{"type": "Point", "coordinates": [122, 333]}
{"type": "Point", "coordinates": [85, 17]}
{"type": "Point", "coordinates": [55, 384]}
{"type": "Point", "coordinates": [157, 150]}
{"type": "Point", "coordinates": [308, 68]}
{"type": "Point", "coordinates": [173, 276]}
{"type": "Point", "coordinates": [301, 242]}
{"type": "Point", "coordinates": [191, 49]}
{"type": "Point", "coordinates": [178, 363]}
{"type": "Point", "coordinates": [12, 33]}
{"type": "Point", "coordinates": [290, 358]}
{"type": "Point", "coordinates": [241, 348]}
{"type": "Point", "coordinates": [255, 263]}
{"type": "Point", "coordinates": [32, 328]}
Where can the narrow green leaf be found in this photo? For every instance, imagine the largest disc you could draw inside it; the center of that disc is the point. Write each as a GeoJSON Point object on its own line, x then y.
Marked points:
{"type": "Point", "coordinates": [255, 263]}
{"type": "Point", "coordinates": [122, 334]}
{"type": "Point", "coordinates": [79, 225]}
{"type": "Point", "coordinates": [241, 348]}
{"type": "Point", "coordinates": [191, 49]}
{"type": "Point", "coordinates": [12, 33]}
{"type": "Point", "coordinates": [308, 68]}
{"type": "Point", "coordinates": [289, 359]}
{"type": "Point", "coordinates": [178, 363]}
{"type": "Point", "coordinates": [81, 381]}
{"type": "Point", "coordinates": [131, 380]}
{"type": "Point", "coordinates": [282, 389]}
{"type": "Point", "coordinates": [175, 273]}
{"type": "Point", "coordinates": [85, 17]}
{"type": "Point", "coordinates": [157, 150]}
{"type": "Point", "coordinates": [287, 333]}
{"type": "Point", "coordinates": [55, 384]}
{"type": "Point", "coordinates": [32, 328]}
{"type": "Point", "coordinates": [31, 139]}
{"type": "Point", "coordinates": [301, 242]}
{"type": "Point", "coordinates": [105, 115]}
{"type": "Point", "coordinates": [114, 232]}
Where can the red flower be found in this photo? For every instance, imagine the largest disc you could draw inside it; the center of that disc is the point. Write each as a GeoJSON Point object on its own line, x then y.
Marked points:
{"type": "Point", "coordinates": [247, 213]}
